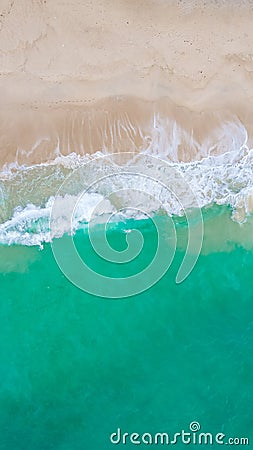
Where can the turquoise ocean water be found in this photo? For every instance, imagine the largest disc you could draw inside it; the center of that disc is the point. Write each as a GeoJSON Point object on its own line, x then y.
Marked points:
{"type": "Point", "coordinates": [75, 367]}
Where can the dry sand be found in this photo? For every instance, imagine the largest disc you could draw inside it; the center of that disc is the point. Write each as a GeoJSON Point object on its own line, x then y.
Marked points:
{"type": "Point", "coordinates": [88, 73]}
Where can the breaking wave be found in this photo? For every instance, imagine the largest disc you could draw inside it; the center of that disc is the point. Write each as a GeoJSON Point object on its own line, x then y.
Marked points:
{"type": "Point", "coordinates": [223, 176]}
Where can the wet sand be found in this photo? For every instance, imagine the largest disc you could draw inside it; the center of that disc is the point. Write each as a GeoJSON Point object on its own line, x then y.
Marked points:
{"type": "Point", "coordinates": [91, 75]}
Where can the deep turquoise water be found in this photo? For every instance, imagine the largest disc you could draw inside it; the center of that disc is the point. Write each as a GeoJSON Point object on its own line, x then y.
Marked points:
{"type": "Point", "coordinates": [75, 367]}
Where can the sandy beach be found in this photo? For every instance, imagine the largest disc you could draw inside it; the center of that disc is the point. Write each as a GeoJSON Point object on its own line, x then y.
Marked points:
{"type": "Point", "coordinates": [88, 75]}
{"type": "Point", "coordinates": [126, 223]}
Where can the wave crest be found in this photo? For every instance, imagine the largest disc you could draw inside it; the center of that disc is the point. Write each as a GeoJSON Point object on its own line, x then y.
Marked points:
{"type": "Point", "coordinates": [221, 173]}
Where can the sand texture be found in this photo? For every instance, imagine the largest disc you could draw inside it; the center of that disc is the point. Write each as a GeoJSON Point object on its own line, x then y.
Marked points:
{"type": "Point", "coordinates": [73, 71]}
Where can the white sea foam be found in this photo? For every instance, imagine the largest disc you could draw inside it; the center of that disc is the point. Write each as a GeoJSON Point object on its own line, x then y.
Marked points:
{"type": "Point", "coordinates": [221, 173]}
{"type": "Point", "coordinates": [31, 225]}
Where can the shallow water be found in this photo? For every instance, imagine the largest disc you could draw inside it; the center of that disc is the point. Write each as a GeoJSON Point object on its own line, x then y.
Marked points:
{"type": "Point", "coordinates": [166, 337]}
{"type": "Point", "coordinates": [75, 367]}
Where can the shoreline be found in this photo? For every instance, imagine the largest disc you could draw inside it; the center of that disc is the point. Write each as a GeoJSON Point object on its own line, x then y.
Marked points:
{"type": "Point", "coordinates": [32, 135]}
{"type": "Point", "coordinates": [188, 61]}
